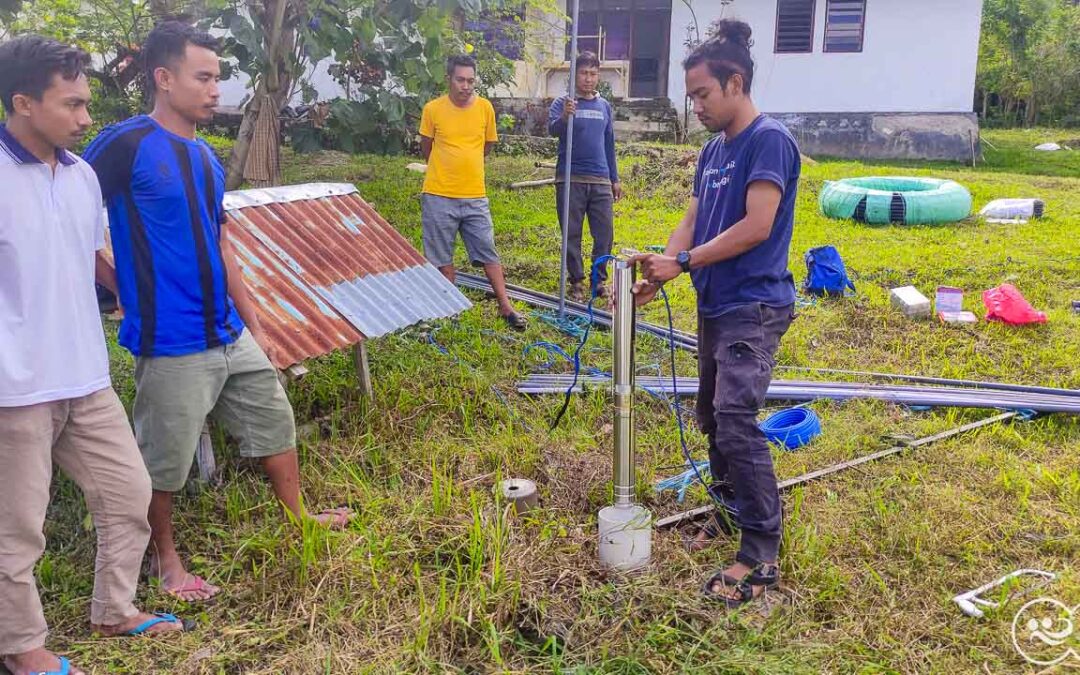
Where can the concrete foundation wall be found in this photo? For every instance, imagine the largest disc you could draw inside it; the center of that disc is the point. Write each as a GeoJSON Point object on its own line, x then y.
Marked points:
{"type": "Point", "coordinates": [941, 136]}
{"type": "Point", "coordinates": [918, 136]}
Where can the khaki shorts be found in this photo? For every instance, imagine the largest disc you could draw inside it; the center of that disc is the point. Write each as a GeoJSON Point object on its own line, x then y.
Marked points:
{"type": "Point", "coordinates": [235, 385]}
{"type": "Point", "coordinates": [442, 218]}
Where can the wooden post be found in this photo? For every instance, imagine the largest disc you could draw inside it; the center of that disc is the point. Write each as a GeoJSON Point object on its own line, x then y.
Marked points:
{"type": "Point", "coordinates": [291, 374]}
{"type": "Point", "coordinates": [204, 453]}
{"type": "Point", "coordinates": [363, 370]}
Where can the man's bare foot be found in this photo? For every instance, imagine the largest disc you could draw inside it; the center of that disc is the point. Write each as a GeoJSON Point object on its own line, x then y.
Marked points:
{"type": "Point", "coordinates": [335, 519]}
{"type": "Point", "coordinates": [38, 660]}
{"type": "Point", "coordinates": [136, 621]}
{"type": "Point", "coordinates": [178, 583]}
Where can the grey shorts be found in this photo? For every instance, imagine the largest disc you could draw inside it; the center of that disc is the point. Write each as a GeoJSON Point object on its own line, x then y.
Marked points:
{"type": "Point", "coordinates": [236, 385]}
{"type": "Point", "coordinates": [444, 217]}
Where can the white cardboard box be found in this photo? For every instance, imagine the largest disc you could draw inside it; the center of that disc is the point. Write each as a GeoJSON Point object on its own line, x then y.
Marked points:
{"type": "Point", "coordinates": [910, 301]}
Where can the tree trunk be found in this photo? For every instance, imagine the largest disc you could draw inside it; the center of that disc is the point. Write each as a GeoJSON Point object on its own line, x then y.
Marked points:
{"type": "Point", "coordinates": [234, 174]}
{"type": "Point", "coordinates": [274, 81]}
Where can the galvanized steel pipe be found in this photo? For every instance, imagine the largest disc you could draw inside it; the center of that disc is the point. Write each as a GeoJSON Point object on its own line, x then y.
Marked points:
{"type": "Point", "coordinates": [571, 95]}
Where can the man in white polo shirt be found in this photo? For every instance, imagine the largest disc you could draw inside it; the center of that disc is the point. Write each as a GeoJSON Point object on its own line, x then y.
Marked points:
{"type": "Point", "coordinates": [56, 400]}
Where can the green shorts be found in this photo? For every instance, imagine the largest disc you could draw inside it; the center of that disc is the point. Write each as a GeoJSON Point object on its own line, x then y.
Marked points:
{"type": "Point", "coordinates": [236, 385]}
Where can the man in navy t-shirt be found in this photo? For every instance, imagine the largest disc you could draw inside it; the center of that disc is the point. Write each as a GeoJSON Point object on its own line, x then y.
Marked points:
{"type": "Point", "coordinates": [594, 176]}
{"type": "Point", "coordinates": [189, 319]}
{"type": "Point", "coordinates": [734, 241]}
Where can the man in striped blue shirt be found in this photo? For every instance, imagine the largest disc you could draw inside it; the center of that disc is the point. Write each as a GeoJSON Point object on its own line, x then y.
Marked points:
{"type": "Point", "coordinates": [189, 318]}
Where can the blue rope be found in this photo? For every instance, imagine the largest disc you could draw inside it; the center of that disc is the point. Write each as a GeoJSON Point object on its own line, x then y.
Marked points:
{"type": "Point", "coordinates": [573, 326]}
{"type": "Point", "coordinates": [682, 481]}
{"type": "Point", "coordinates": [550, 349]}
{"type": "Point", "coordinates": [434, 343]}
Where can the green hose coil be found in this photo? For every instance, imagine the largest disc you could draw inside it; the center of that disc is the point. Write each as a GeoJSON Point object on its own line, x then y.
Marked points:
{"type": "Point", "coordinates": [896, 199]}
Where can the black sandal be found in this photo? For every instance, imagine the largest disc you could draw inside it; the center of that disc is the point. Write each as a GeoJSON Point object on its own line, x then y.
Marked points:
{"type": "Point", "coordinates": [764, 575]}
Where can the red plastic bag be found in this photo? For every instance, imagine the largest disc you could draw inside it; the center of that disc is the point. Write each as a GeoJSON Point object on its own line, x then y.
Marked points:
{"type": "Point", "coordinates": [1005, 304]}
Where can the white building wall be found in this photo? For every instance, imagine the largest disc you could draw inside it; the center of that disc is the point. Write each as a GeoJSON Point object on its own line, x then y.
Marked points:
{"type": "Point", "coordinates": [236, 88]}
{"type": "Point", "coordinates": [918, 56]}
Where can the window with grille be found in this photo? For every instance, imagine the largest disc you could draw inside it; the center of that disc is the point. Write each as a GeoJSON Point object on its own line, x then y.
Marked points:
{"type": "Point", "coordinates": [606, 27]}
{"type": "Point", "coordinates": [845, 21]}
{"type": "Point", "coordinates": [794, 26]}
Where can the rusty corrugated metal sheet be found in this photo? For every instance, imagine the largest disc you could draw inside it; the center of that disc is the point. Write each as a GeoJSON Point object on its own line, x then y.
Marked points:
{"type": "Point", "coordinates": [326, 270]}
{"type": "Point", "coordinates": [299, 323]}
{"type": "Point", "coordinates": [335, 243]}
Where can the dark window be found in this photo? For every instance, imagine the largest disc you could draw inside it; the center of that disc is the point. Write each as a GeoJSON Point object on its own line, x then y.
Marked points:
{"type": "Point", "coordinates": [606, 27]}
{"type": "Point", "coordinates": [617, 31]}
{"type": "Point", "coordinates": [636, 31]}
{"type": "Point", "coordinates": [794, 26]}
{"type": "Point", "coordinates": [845, 21]}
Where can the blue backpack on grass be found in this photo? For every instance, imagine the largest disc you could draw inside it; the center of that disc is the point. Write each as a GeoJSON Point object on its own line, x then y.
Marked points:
{"type": "Point", "coordinates": [825, 272]}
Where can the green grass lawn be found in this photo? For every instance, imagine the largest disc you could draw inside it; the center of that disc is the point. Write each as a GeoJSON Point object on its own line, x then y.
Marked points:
{"type": "Point", "coordinates": [434, 576]}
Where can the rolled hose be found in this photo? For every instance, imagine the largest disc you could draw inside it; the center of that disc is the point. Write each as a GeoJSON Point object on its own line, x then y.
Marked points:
{"type": "Point", "coordinates": [909, 200]}
{"type": "Point", "coordinates": [792, 428]}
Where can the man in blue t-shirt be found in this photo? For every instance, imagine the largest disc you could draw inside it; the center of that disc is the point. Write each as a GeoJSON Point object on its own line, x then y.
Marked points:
{"type": "Point", "coordinates": [594, 176]}
{"type": "Point", "coordinates": [189, 319]}
{"type": "Point", "coordinates": [734, 241]}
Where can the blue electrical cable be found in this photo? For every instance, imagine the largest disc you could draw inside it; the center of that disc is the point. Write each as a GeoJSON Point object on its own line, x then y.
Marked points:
{"type": "Point", "coordinates": [729, 510]}
{"type": "Point", "coordinates": [594, 284]}
{"type": "Point", "coordinates": [678, 408]}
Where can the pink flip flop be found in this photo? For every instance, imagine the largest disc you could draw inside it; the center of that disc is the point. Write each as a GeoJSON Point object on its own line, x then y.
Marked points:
{"type": "Point", "coordinates": [194, 584]}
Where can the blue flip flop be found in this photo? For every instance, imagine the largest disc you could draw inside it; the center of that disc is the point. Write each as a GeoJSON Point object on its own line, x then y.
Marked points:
{"type": "Point", "coordinates": [150, 623]}
{"type": "Point", "coordinates": [65, 668]}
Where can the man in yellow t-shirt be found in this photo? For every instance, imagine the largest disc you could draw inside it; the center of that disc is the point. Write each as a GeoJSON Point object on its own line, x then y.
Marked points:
{"type": "Point", "coordinates": [456, 132]}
